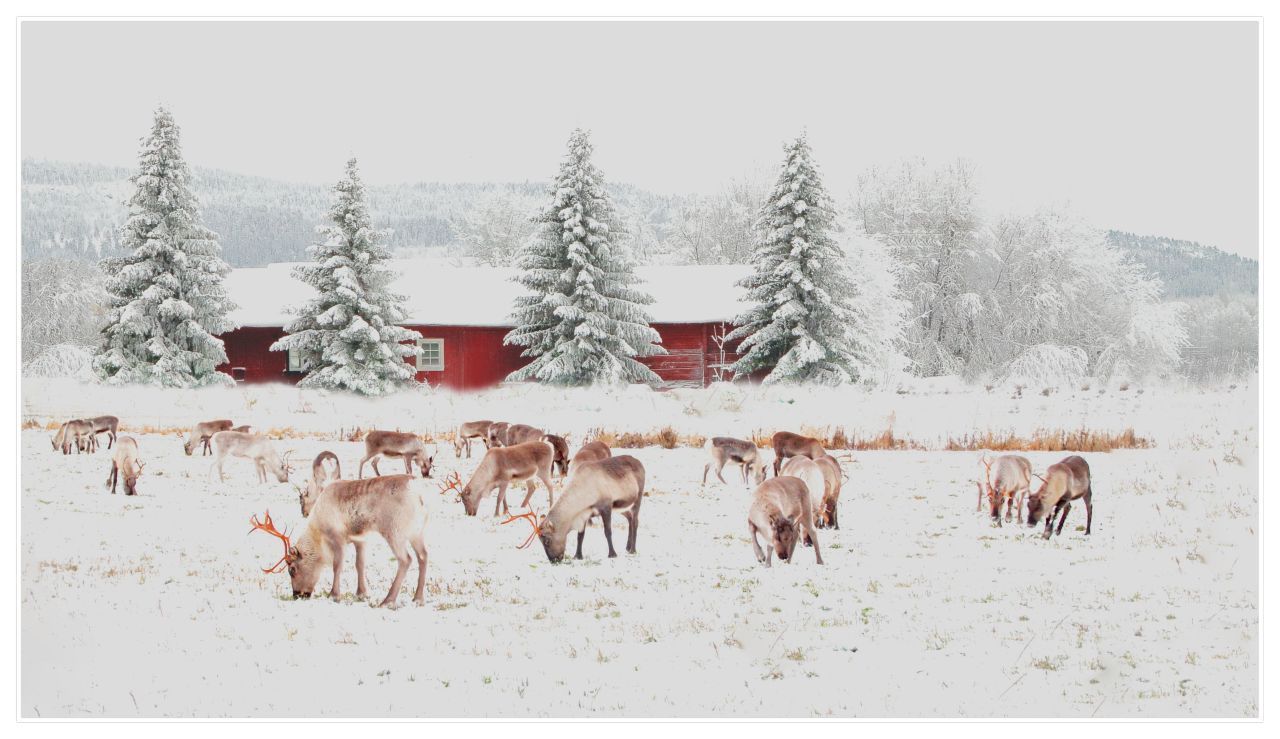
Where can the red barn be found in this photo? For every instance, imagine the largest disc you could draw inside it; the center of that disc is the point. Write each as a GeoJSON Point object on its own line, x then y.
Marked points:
{"type": "Point", "coordinates": [462, 314]}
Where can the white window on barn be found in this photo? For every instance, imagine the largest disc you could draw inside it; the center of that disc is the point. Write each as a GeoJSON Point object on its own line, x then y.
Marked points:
{"type": "Point", "coordinates": [430, 355]}
{"type": "Point", "coordinates": [294, 360]}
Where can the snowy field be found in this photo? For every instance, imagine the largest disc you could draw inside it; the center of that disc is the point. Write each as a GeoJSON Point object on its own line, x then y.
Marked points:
{"type": "Point", "coordinates": [156, 605]}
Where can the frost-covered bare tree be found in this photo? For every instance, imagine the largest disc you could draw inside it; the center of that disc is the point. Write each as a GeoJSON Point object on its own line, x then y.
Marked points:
{"type": "Point", "coordinates": [494, 227]}
{"type": "Point", "coordinates": [1222, 336]}
{"type": "Point", "coordinates": [719, 228]}
{"type": "Point", "coordinates": [64, 304]}
{"type": "Point", "coordinates": [929, 221]}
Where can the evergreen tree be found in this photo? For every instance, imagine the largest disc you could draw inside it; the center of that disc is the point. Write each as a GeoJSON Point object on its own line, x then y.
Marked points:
{"type": "Point", "coordinates": [582, 321]}
{"type": "Point", "coordinates": [347, 337]}
{"type": "Point", "coordinates": [802, 325]}
{"type": "Point", "coordinates": [167, 302]}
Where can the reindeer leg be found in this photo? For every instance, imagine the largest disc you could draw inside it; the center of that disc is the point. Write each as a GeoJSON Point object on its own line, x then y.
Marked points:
{"type": "Point", "coordinates": [529, 489]}
{"type": "Point", "coordinates": [362, 588]}
{"type": "Point", "coordinates": [111, 477]}
{"type": "Point", "coordinates": [755, 543]}
{"type": "Point", "coordinates": [582, 534]}
{"type": "Point", "coordinates": [420, 548]}
{"type": "Point", "coordinates": [339, 552]}
{"type": "Point", "coordinates": [502, 498]}
{"type": "Point", "coordinates": [376, 471]}
{"type": "Point", "coordinates": [551, 495]}
{"type": "Point", "coordinates": [635, 524]}
{"type": "Point", "coordinates": [402, 560]}
{"type": "Point", "coordinates": [813, 539]}
{"type": "Point", "coordinates": [1088, 511]}
{"type": "Point", "coordinates": [1065, 510]}
{"type": "Point", "coordinates": [606, 520]}
{"type": "Point", "coordinates": [408, 464]}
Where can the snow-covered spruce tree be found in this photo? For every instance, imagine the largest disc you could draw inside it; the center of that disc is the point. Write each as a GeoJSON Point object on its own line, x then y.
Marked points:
{"type": "Point", "coordinates": [802, 324]}
{"type": "Point", "coordinates": [167, 302]}
{"type": "Point", "coordinates": [582, 321]}
{"type": "Point", "coordinates": [347, 337]}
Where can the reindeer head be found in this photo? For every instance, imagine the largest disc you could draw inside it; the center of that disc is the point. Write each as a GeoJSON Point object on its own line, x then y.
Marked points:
{"type": "Point", "coordinates": [785, 536]}
{"type": "Point", "coordinates": [282, 468]}
{"type": "Point", "coordinates": [303, 567]}
{"type": "Point", "coordinates": [1036, 507]}
{"type": "Point", "coordinates": [425, 458]}
{"type": "Point", "coordinates": [544, 530]}
{"type": "Point", "coordinates": [759, 470]}
{"type": "Point", "coordinates": [187, 446]}
{"type": "Point", "coordinates": [131, 475]}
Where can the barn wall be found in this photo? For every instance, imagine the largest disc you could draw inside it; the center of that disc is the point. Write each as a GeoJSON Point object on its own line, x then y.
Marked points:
{"type": "Point", "coordinates": [475, 358]}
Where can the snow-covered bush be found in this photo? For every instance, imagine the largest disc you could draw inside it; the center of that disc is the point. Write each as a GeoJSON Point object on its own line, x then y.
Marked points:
{"type": "Point", "coordinates": [61, 360]}
{"type": "Point", "coordinates": [64, 301]}
{"type": "Point", "coordinates": [167, 304]}
{"type": "Point", "coordinates": [346, 338]}
{"type": "Point", "coordinates": [583, 321]}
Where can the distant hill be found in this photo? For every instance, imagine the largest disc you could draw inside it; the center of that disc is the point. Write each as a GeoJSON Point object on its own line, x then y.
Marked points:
{"type": "Point", "coordinates": [1188, 269]}
{"type": "Point", "coordinates": [75, 210]}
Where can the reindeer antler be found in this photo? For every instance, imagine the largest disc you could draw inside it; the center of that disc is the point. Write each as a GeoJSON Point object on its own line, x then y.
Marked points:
{"type": "Point", "coordinates": [452, 482]}
{"type": "Point", "coordinates": [533, 520]}
{"type": "Point", "coordinates": [270, 528]}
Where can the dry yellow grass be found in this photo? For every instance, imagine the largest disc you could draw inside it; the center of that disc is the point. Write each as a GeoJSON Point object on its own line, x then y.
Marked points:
{"type": "Point", "coordinates": [1051, 440]}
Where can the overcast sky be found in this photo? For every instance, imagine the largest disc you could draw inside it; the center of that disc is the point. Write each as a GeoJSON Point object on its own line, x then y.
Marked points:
{"type": "Point", "coordinates": [1142, 126]}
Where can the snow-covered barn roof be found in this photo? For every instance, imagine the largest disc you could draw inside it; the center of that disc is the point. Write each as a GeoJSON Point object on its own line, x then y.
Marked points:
{"type": "Point", "coordinates": [440, 294]}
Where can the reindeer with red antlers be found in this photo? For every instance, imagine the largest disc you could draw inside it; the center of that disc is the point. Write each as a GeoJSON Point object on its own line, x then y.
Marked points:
{"type": "Point", "coordinates": [1012, 479]}
{"type": "Point", "coordinates": [348, 512]}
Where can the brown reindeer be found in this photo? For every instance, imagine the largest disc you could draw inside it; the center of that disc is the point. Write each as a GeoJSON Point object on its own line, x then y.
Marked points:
{"type": "Point", "coordinates": [592, 451]}
{"type": "Point", "coordinates": [202, 432]}
{"type": "Point", "coordinates": [780, 512]}
{"type": "Point", "coordinates": [561, 447]}
{"type": "Point", "coordinates": [1012, 481]}
{"type": "Point", "coordinates": [104, 425]}
{"type": "Point", "coordinates": [320, 477]}
{"type": "Point", "coordinates": [726, 449]}
{"type": "Point", "coordinates": [825, 516]}
{"type": "Point", "coordinates": [787, 445]}
{"type": "Point", "coordinates": [519, 433]}
{"type": "Point", "coordinates": [254, 447]}
{"type": "Point", "coordinates": [78, 432]}
{"type": "Point", "coordinates": [497, 434]}
{"type": "Point", "coordinates": [468, 431]}
{"type": "Point", "coordinates": [125, 461]}
{"type": "Point", "coordinates": [1063, 482]}
{"type": "Point", "coordinates": [503, 466]}
{"type": "Point", "coordinates": [348, 512]}
{"type": "Point", "coordinates": [379, 444]}
{"type": "Point", "coordinates": [815, 481]}
{"type": "Point", "coordinates": [596, 489]}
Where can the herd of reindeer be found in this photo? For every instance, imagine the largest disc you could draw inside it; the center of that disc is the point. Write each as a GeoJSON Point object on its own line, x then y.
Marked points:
{"type": "Point", "coordinates": [786, 509]}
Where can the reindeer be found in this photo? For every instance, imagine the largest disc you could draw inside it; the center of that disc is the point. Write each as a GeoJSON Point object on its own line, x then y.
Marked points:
{"type": "Point", "coordinates": [561, 459]}
{"type": "Point", "coordinates": [726, 449]}
{"type": "Point", "coordinates": [125, 460]}
{"type": "Point", "coordinates": [468, 431]}
{"type": "Point", "coordinates": [780, 512]}
{"type": "Point", "coordinates": [1063, 482]}
{"type": "Point", "coordinates": [1013, 478]}
{"type": "Point", "coordinates": [320, 477]}
{"type": "Point", "coordinates": [250, 446]}
{"type": "Point", "coordinates": [496, 434]}
{"type": "Point", "coordinates": [787, 444]}
{"type": "Point", "coordinates": [77, 431]}
{"type": "Point", "coordinates": [202, 432]}
{"type": "Point", "coordinates": [350, 511]}
{"type": "Point", "coordinates": [104, 424]}
{"type": "Point", "coordinates": [815, 481]}
{"type": "Point", "coordinates": [597, 489]}
{"type": "Point", "coordinates": [825, 516]}
{"type": "Point", "coordinates": [502, 466]}
{"type": "Point", "coordinates": [519, 433]}
{"type": "Point", "coordinates": [592, 451]}
{"type": "Point", "coordinates": [378, 444]}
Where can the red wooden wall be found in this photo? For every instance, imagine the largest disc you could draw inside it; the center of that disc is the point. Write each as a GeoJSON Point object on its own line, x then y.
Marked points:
{"type": "Point", "coordinates": [475, 357]}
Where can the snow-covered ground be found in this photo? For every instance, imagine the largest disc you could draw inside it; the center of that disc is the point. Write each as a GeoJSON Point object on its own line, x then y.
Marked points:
{"type": "Point", "coordinates": [156, 605]}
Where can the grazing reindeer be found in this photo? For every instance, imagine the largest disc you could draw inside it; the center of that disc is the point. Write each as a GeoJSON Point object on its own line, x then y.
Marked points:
{"type": "Point", "coordinates": [1062, 483]}
{"type": "Point", "coordinates": [1013, 479]}
{"type": "Point", "coordinates": [726, 449]}
{"type": "Point", "coordinates": [815, 481]}
{"type": "Point", "coordinates": [780, 512]}
{"type": "Point", "coordinates": [104, 425]}
{"type": "Point", "coordinates": [787, 444]}
{"type": "Point", "coordinates": [250, 446]}
{"type": "Point", "coordinates": [592, 451]}
{"type": "Point", "coordinates": [125, 461]}
{"type": "Point", "coordinates": [320, 477]}
{"type": "Point", "coordinates": [825, 516]}
{"type": "Point", "coordinates": [78, 432]}
{"type": "Point", "coordinates": [378, 444]}
{"type": "Point", "coordinates": [503, 466]}
{"type": "Point", "coordinates": [597, 489]}
{"type": "Point", "coordinates": [497, 434]}
{"type": "Point", "coordinates": [349, 512]}
{"type": "Point", "coordinates": [519, 433]}
{"type": "Point", "coordinates": [201, 434]}
{"type": "Point", "coordinates": [561, 459]}
{"type": "Point", "coordinates": [468, 431]}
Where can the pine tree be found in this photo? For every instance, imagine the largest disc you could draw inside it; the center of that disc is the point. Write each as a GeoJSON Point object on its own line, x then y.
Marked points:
{"type": "Point", "coordinates": [801, 324]}
{"type": "Point", "coordinates": [167, 302]}
{"type": "Point", "coordinates": [347, 337]}
{"type": "Point", "coordinates": [583, 321]}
